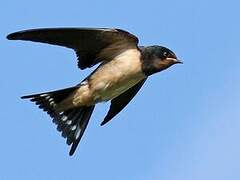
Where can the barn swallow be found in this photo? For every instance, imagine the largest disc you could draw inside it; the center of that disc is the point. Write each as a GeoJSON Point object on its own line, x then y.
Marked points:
{"type": "Point", "coordinates": [124, 67]}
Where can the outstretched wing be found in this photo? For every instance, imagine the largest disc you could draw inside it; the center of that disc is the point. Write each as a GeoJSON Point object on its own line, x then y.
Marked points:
{"type": "Point", "coordinates": [118, 103]}
{"type": "Point", "coordinates": [92, 45]}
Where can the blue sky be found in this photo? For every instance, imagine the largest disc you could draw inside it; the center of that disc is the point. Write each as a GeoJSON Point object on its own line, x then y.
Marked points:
{"type": "Point", "coordinates": [183, 125]}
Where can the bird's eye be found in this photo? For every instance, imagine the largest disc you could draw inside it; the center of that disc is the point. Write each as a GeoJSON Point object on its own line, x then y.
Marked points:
{"type": "Point", "coordinates": [165, 54]}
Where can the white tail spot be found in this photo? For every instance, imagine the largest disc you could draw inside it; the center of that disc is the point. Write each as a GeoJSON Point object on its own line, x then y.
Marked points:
{"type": "Point", "coordinates": [43, 95]}
{"type": "Point", "coordinates": [64, 118]}
{"type": "Point", "coordinates": [73, 128]}
{"type": "Point", "coordinates": [47, 97]}
{"type": "Point", "coordinates": [77, 133]}
{"type": "Point", "coordinates": [69, 122]}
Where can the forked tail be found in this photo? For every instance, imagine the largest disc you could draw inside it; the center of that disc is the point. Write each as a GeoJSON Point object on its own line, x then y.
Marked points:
{"type": "Point", "coordinates": [72, 122]}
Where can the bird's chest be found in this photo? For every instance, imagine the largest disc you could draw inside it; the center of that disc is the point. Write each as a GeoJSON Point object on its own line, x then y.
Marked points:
{"type": "Point", "coordinates": [115, 77]}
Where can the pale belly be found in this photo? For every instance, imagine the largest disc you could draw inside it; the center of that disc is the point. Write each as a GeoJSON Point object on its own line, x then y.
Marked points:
{"type": "Point", "coordinates": [110, 80]}
{"type": "Point", "coordinates": [107, 90]}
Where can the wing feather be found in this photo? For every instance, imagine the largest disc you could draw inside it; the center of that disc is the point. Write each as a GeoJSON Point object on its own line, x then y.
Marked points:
{"type": "Point", "coordinates": [119, 103]}
{"type": "Point", "coordinates": [88, 43]}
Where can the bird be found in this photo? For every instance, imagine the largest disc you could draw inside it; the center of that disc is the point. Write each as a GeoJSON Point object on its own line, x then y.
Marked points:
{"type": "Point", "coordinates": [123, 67]}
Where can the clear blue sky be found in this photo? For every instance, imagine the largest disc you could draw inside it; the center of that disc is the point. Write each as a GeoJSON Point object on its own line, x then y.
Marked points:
{"type": "Point", "coordinates": [183, 125]}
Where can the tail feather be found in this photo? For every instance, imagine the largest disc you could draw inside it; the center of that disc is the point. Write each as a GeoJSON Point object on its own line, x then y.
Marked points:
{"type": "Point", "coordinates": [71, 122]}
{"type": "Point", "coordinates": [81, 128]}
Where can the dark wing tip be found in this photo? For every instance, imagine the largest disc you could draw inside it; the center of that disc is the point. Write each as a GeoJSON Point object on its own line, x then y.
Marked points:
{"type": "Point", "coordinates": [12, 36]}
{"type": "Point", "coordinates": [20, 35]}
{"type": "Point", "coordinates": [106, 119]}
{"type": "Point", "coordinates": [102, 123]}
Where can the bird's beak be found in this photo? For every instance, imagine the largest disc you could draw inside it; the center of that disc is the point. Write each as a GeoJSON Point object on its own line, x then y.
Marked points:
{"type": "Point", "coordinates": [178, 61]}
{"type": "Point", "coordinates": [175, 60]}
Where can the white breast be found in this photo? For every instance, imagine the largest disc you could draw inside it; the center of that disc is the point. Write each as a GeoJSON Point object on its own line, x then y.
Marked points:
{"type": "Point", "coordinates": [116, 76]}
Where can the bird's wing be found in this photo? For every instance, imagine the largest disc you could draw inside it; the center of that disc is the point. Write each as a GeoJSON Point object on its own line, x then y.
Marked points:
{"type": "Point", "coordinates": [92, 45]}
{"type": "Point", "coordinates": [118, 103]}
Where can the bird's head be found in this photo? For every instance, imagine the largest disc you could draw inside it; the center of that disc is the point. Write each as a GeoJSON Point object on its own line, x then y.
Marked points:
{"type": "Point", "coordinates": [157, 58]}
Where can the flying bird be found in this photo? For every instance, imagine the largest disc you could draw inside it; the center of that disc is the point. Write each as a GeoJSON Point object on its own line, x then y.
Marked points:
{"type": "Point", "coordinates": [123, 68]}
